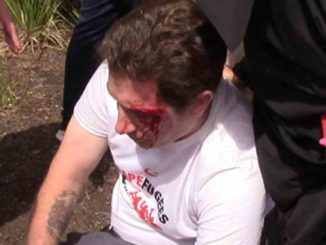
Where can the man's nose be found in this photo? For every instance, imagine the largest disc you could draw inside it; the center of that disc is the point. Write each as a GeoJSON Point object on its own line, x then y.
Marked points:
{"type": "Point", "coordinates": [124, 125]}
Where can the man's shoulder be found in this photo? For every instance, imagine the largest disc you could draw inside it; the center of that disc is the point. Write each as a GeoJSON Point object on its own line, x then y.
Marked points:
{"type": "Point", "coordinates": [232, 128]}
{"type": "Point", "coordinates": [96, 108]}
{"type": "Point", "coordinates": [231, 136]}
{"type": "Point", "coordinates": [223, 148]}
{"type": "Point", "coordinates": [224, 152]}
{"type": "Point", "coordinates": [98, 85]}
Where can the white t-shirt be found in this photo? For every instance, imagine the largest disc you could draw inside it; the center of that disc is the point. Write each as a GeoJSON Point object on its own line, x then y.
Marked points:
{"type": "Point", "coordinates": [205, 189]}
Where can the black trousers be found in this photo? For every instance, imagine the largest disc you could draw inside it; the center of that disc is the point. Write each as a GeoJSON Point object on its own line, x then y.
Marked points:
{"type": "Point", "coordinates": [303, 224]}
{"type": "Point", "coordinates": [96, 17]}
{"type": "Point", "coordinates": [293, 166]}
{"type": "Point", "coordinates": [95, 238]}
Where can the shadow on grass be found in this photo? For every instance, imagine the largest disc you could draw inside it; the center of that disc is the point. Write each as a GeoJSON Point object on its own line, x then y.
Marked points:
{"type": "Point", "coordinates": [24, 160]}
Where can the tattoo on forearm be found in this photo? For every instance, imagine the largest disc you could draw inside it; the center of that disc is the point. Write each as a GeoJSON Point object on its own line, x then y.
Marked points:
{"type": "Point", "coordinates": [61, 212]}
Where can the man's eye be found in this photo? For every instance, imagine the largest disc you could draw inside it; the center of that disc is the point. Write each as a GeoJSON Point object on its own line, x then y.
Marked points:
{"type": "Point", "coordinates": [143, 116]}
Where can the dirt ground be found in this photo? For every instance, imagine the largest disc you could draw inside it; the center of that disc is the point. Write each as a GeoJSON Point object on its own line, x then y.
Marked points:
{"type": "Point", "coordinates": [27, 144]}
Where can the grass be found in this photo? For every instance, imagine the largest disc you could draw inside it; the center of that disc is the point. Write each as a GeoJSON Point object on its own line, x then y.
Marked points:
{"type": "Point", "coordinates": [40, 23]}
{"type": "Point", "coordinates": [7, 96]}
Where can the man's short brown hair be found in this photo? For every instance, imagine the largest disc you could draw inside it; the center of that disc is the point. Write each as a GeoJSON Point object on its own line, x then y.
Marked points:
{"type": "Point", "coordinates": [171, 42]}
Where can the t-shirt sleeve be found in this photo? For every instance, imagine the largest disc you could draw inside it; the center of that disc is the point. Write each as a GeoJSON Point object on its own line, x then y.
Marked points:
{"type": "Point", "coordinates": [230, 207]}
{"type": "Point", "coordinates": [91, 109]}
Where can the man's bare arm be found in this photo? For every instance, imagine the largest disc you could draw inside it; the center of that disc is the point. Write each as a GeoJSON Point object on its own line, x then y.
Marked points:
{"type": "Point", "coordinates": [77, 156]}
{"type": "Point", "coordinates": [61, 212]}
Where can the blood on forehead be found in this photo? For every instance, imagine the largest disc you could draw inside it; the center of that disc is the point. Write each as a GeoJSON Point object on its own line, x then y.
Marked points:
{"type": "Point", "coordinates": [154, 111]}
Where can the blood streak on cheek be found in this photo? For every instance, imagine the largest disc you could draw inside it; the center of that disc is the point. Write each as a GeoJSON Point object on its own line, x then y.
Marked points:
{"type": "Point", "coordinates": [155, 118]}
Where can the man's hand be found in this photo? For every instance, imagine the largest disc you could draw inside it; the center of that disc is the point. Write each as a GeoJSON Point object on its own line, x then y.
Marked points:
{"type": "Point", "coordinates": [9, 28]}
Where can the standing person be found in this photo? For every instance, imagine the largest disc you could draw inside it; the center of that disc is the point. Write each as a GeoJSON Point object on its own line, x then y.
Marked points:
{"type": "Point", "coordinates": [182, 141]}
{"type": "Point", "coordinates": [9, 28]}
{"type": "Point", "coordinates": [285, 65]}
{"type": "Point", "coordinates": [82, 59]}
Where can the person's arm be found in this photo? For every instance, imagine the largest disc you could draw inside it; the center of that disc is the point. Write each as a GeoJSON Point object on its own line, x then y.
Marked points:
{"type": "Point", "coordinates": [77, 156]}
{"type": "Point", "coordinates": [9, 28]}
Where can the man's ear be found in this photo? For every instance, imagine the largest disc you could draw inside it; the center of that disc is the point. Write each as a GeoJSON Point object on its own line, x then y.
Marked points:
{"type": "Point", "coordinates": [202, 103]}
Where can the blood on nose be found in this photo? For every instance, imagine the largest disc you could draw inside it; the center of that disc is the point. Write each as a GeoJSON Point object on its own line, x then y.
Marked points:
{"type": "Point", "coordinates": [124, 126]}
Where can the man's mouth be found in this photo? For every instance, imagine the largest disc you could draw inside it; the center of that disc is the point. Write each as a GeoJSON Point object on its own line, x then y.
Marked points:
{"type": "Point", "coordinates": [137, 140]}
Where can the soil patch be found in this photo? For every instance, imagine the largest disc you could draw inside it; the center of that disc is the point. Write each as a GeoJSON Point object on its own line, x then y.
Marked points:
{"type": "Point", "coordinates": [27, 145]}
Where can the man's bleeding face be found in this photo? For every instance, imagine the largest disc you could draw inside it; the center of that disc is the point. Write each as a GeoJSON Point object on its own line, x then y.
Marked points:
{"type": "Point", "coordinates": [145, 125]}
{"type": "Point", "coordinates": [149, 122]}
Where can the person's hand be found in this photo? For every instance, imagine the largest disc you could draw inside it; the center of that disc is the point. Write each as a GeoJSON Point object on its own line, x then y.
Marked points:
{"type": "Point", "coordinates": [9, 28]}
{"type": "Point", "coordinates": [229, 75]}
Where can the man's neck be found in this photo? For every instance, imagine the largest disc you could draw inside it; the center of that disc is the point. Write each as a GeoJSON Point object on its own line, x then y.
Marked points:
{"type": "Point", "coordinates": [201, 121]}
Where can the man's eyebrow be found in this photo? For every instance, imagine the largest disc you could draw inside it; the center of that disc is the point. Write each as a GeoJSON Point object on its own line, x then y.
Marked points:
{"type": "Point", "coordinates": [134, 110]}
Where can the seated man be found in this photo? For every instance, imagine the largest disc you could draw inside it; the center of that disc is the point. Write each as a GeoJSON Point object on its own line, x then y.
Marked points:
{"type": "Point", "coordinates": [182, 141]}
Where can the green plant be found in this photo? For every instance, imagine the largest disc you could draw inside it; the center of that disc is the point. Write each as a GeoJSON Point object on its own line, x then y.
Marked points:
{"type": "Point", "coordinates": [7, 96]}
{"type": "Point", "coordinates": [40, 23]}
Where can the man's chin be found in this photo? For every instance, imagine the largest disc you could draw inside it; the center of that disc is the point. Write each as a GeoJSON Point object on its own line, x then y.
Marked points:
{"type": "Point", "coordinates": [144, 144]}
